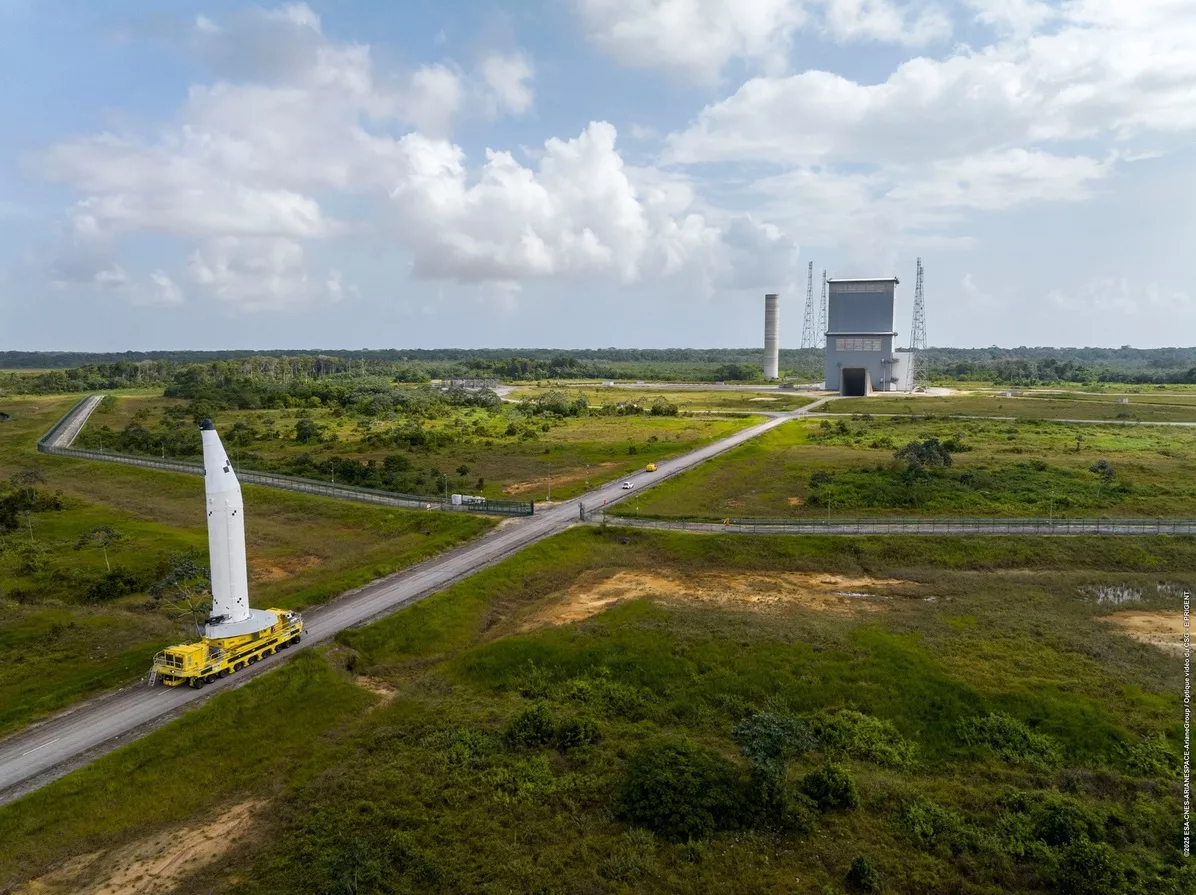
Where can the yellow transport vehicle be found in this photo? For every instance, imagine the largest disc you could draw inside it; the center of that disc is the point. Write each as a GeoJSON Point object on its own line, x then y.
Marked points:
{"type": "Point", "coordinates": [651, 467]}
{"type": "Point", "coordinates": [202, 663]}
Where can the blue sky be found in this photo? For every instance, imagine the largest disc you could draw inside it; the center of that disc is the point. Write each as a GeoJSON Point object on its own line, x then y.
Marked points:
{"type": "Point", "coordinates": [585, 173]}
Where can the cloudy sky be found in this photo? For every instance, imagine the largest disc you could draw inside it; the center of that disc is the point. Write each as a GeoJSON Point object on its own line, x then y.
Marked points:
{"type": "Point", "coordinates": [585, 173]}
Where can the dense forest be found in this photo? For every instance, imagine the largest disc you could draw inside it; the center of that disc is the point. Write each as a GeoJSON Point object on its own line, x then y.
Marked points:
{"type": "Point", "coordinates": [50, 373]}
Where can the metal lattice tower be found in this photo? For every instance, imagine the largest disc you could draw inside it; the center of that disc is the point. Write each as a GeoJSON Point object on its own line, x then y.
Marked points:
{"type": "Point", "coordinates": [916, 375]}
{"type": "Point", "coordinates": [807, 327]}
{"type": "Point", "coordinates": [820, 336]}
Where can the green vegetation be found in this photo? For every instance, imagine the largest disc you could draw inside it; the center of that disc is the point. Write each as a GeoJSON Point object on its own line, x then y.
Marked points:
{"type": "Point", "coordinates": [412, 440]}
{"type": "Point", "coordinates": [1028, 405]}
{"type": "Point", "coordinates": [693, 400]}
{"type": "Point", "coordinates": [728, 747]}
{"type": "Point", "coordinates": [901, 466]}
{"type": "Point", "coordinates": [91, 553]}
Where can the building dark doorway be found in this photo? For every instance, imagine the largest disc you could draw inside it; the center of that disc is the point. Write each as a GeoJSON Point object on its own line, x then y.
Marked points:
{"type": "Point", "coordinates": [854, 382]}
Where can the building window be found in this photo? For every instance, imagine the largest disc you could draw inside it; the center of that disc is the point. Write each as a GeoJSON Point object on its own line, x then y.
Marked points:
{"type": "Point", "coordinates": [857, 344]}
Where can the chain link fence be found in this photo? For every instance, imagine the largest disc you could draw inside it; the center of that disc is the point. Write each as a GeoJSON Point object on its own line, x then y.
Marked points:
{"type": "Point", "coordinates": [930, 526]}
{"type": "Point", "coordinates": [49, 444]}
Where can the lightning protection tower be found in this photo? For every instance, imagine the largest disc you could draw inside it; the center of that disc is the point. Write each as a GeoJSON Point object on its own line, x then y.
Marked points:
{"type": "Point", "coordinates": [820, 336]}
{"type": "Point", "coordinates": [916, 373]}
{"type": "Point", "coordinates": [808, 337]}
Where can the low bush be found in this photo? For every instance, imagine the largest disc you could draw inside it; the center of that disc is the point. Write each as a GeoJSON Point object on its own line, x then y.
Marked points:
{"type": "Point", "coordinates": [931, 826]}
{"type": "Point", "coordinates": [766, 736]}
{"type": "Point", "coordinates": [852, 734]}
{"type": "Point", "coordinates": [1089, 868]}
{"type": "Point", "coordinates": [1011, 739]}
{"type": "Point", "coordinates": [862, 876]}
{"type": "Point", "coordinates": [832, 788]}
{"type": "Point", "coordinates": [680, 790]}
{"type": "Point", "coordinates": [575, 732]}
{"type": "Point", "coordinates": [531, 728]}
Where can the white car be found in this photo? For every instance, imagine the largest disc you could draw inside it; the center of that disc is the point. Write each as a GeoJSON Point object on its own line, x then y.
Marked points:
{"type": "Point", "coordinates": [627, 486]}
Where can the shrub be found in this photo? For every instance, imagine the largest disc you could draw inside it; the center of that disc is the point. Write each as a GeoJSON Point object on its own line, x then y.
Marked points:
{"type": "Point", "coordinates": [769, 737]}
{"type": "Point", "coordinates": [680, 790]}
{"type": "Point", "coordinates": [531, 728]}
{"type": "Point", "coordinates": [113, 584]}
{"type": "Point", "coordinates": [1089, 868]}
{"type": "Point", "coordinates": [856, 735]}
{"type": "Point", "coordinates": [1011, 739]}
{"type": "Point", "coordinates": [774, 806]}
{"type": "Point", "coordinates": [862, 876]}
{"type": "Point", "coordinates": [1060, 823]}
{"type": "Point", "coordinates": [821, 478]}
{"type": "Point", "coordinates": [931, 825]}
{"type": "Point", "coordinates": [929, 452]}
{"type": "Point", "coordinates": [831, 787]}
{"type": "Point", "coordinates": [572, 733]}
{"type": "Point", "coordinates": [1150, 757]}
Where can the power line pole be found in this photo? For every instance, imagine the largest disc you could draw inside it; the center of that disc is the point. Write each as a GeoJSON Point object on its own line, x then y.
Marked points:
{"type": "Point", "coordinates": [820, 341]}
{"type": "Point", "coordinates": [916, 374]}
{"type": "Point", "coordinates": [808, 337]}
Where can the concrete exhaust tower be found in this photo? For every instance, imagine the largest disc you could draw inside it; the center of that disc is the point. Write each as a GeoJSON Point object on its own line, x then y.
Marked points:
{"type": "Point", "coordinates": [772, 336]}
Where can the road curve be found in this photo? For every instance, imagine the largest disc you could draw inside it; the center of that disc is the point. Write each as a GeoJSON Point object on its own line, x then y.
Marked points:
{"type": "Point", "coordinates": [48, 750]}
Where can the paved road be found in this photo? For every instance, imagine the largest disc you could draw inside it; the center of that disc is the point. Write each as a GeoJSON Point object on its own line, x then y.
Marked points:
{"type": "Point", "coordinates": [49, 750]}
{"type": "Point", "coordinates": [66, 436]}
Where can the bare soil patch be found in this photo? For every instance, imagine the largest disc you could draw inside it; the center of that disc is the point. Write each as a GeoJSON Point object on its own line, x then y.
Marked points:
{"type": "Point", "coordinates": [279, 568]}
{"type": "Point", "coordinates": [156, 864]}
{"type": "Point", "coordinates": [377, 686]}
{"type": "Point", "coordinates": [1164, 629]}
{"type": "Point", "coordinates": [819, 591]}
{"type": "Point", "coordinates": [558, 480]}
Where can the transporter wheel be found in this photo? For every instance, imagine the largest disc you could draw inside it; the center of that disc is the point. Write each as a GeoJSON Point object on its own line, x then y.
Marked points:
{"type": "Point", "coordinates": [295, 639]}
{"type": "Point", "coordinates": [252, 659]}
{"type": "Point", "coordinates": [224, 672]}
{"type": "Point", "coordinates": [284, 644]}
{"type": "Point", "coordinates": [198, 682]}
{"type": "Point", "coordinates": [212, 678]}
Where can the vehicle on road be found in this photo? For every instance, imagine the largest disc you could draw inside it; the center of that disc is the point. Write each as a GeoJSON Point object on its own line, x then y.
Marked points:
{"type": "Point", "coordinates": [196, 664]}
{"type": "Point", "coordinates": [651, 467]}
{"type": "Point", "coordinates": [627, 486]}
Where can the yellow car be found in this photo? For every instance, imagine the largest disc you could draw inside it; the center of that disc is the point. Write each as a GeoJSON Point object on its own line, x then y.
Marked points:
{"type": "Point", "coordinates": [651, 467]}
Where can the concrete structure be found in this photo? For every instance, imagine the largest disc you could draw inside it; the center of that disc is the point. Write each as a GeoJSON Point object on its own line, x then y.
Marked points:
{"type": "Point", "coordinates": [772, 336]}
{"type": "Point", "coordinates": [859, 336]}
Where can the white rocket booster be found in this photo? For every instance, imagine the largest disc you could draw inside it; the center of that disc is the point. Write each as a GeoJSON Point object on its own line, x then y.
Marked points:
{"type": "Point", "coordinates": [231, 615]}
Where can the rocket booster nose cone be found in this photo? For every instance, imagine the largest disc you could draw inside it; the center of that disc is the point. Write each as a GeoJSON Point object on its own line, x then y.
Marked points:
{"type": "Point", "coordinates": [217, 470]}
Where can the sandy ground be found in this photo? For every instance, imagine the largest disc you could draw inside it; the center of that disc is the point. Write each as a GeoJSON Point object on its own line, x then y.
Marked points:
{"type": "Point", "coordinates": [819, 591]}
{"type": "Point", "coordinates": [377, 686]}
{"type": "Point", "coordinates": [1164, 629]}
{"type": "Point", "coordinates": [558, 481]}
{"type": "Point", "coordinates": [277, 569]}
{"type": "Point", "coordinates": [155, 865]}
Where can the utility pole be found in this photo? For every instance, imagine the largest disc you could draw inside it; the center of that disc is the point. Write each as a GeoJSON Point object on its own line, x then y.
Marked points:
{"type": "Point", "coordinates": [808, 337]}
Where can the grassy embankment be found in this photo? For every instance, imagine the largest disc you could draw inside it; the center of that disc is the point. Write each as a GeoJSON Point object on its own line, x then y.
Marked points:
{"type": "Point", "coordinates": [514, 456]}
{"type": "Point", "coordinates": [695, 400]}
{"type": "Point", "coordinates": [1029, 405]}
{"type": "Point", "coordinates": [70, 628]}
{"type": "Point", "coordinates": [1025, 468]}
{"type": "Point", "coordinates": [458, 784]}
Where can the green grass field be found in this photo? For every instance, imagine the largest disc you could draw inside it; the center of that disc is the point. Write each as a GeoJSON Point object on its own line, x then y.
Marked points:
{"type": "Point", "coordinates": [1029, 405]}
{"type": "Point", "coordinates": [1009, 738]}
{"type": "Point", "coordinates": [512, 455]}
{"type": "Point", "coordinates": [1023, 469]}
{"type": "Point", "coordinates": [688, 400]}
{"type": "Point", "coordinates": [64, 639]}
